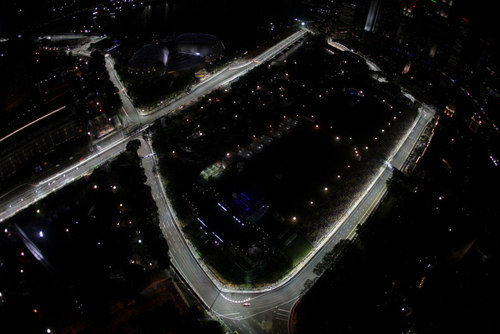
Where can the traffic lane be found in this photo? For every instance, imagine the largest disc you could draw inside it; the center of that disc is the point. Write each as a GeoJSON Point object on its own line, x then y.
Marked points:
{"type": "Point", "coordinates": [365, 207]}
{"type": "Point", "coordinates": [181, 257]}
{"type": "Point", "coordinates": [230, 73]}
{"type": "Point", "coordinates": [358, 216]}
{"type": "Point", "coordinates": [285, 296]}
{"type": "Point", "coordinates": [23, 199]}
{"type": "Point", "coordinates": [187, 99]}
{"type": "Point", "coordinates": [289, 292]}
{"type": "Point", "coordinates": [199, 91]}
{"type": "Point", "coordinates": [402, 155]}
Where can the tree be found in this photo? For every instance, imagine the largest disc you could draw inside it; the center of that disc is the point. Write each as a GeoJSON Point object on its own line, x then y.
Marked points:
{"type": "Point", "coordinates": [133, 145]}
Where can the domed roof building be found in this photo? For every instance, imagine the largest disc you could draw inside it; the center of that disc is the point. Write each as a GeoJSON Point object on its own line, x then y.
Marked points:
{"type": "Point", "coordinates": [150, 61]}
{"type": "Point", "coordinates": [187, 51]}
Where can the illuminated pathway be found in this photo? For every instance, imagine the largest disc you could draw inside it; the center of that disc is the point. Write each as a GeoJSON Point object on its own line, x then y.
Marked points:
{"type": "Point", "coordinates": [24, 195]}
{"type": "Point", "coordinates": [270, 306]}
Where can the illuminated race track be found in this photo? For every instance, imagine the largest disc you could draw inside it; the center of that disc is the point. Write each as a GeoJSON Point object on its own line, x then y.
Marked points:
{"type": "Point", "coordinates": [269, 307]}
{"type": "Point", "coordinates": [23, 196]}
{"type": "Point", "coordinates": [274, 303]}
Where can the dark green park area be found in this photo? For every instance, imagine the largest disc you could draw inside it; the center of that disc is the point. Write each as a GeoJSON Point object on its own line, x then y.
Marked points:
{"type": "Point", "coordinates": [260, 170]}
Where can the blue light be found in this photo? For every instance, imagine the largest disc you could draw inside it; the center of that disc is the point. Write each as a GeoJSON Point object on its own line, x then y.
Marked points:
{"type": "Point", "coordinates": [202, 223]}
{"type": "Point", "coordinates": [223, 208]}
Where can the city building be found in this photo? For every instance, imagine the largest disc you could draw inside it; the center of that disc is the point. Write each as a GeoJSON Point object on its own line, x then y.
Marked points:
{"type": "Point", "coordinates": [185, 52]}
{"type": "Point", "coordinates": [149, 62]}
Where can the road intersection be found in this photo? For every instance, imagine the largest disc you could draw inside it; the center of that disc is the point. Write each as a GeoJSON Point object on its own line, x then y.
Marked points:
{"type": "Point", "coordinates": [270, 306]}
{"type": "Point", "coordinates": [23, 196]}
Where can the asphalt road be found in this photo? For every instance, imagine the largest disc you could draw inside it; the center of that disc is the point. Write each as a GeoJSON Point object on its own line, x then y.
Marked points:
{"type": "Point", "coordinates": [269, 310]}
{"type": "Point", "coordinates": [269, 307]}
{"type": "Point", "coordinates": [24, 195]}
